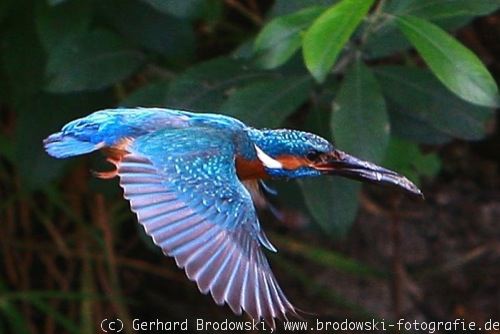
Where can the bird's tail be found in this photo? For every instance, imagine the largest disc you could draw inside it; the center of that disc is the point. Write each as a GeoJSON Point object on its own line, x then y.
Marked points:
{"type": "Point", "coordinates": [63, 146]}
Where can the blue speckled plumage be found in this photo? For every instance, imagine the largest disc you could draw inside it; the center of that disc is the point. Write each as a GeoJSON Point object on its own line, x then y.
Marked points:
{"type": "Point", "coordinates": [184, 175]}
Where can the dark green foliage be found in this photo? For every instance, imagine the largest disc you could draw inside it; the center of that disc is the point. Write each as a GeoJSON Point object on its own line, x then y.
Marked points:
{"type": "Point", "coordinates": [205, 86]}
{"type": "Point", "coordinates": [378, 78]}
{"type": "Point", "coordinates": [432, 104]}
{"type": "Point", "coordinates": [91, 61]}
{"type": "Point", "coordinates": [54, 24]}
{"type": "Point", "coordinates": [179, 54]}
{"type": "Point", "coordinates": [271, 101]}
{"type": "Point", "coordinates": [152, 30]}
{"type": "Point", "coordinates": [359, 119]}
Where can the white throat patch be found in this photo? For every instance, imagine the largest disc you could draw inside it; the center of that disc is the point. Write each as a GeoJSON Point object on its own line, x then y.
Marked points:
{"type": "Point", "coordinates": [266, 160]}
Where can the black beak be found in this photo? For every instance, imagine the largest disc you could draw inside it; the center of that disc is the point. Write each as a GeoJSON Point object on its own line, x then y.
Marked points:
{"type": "Point", "coordinates": [343, 164]}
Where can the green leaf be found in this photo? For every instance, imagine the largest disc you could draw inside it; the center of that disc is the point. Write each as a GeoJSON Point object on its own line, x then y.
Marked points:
{"type": "Point", "coordinates": [333, 202]}
{"type": "Point", "coordinates": [284, 7]}
{"type": "Point", "coordinates": [245, 50]}
{"type": "Point", "coordinates": [324, 40]}
{"type": "Point", "coordinates": [152, 95]}
{"type": "Point", "coordinates": [153, 30]}
{"type": "Point", "coordinates": [406, 158]}
{"type": "Point", "coordinates": [90, 62]}
{"type": "Point", "coordinates": [57, 23]}
{"type": "Point", "coordinates": [359, 120]}
{"type": "Point", "coordinates": [281, 37]}
{"type": "Point", "coordinates": [397, 7]}
{"type": "Point", "coordinates": [389, 40]}
{"type": "Point", "coordinates": [268, 103]}
{"type": "Point", "coordinates": [417, 94]}
{"type": "Point", "coordinates": [435, 9]}
{"type": "Point", "coordinates": [407, 126]}
{"type": "Point", "coordinates": [449, 15]}
{"type": "Point", "coordinates": [182, 9]}
{"type": "Point", "coordinates": [384, 42]}
{"type": "Point", "coordinates": [205, 86]}
{"type": "Point", "coordinates": [455, 66]}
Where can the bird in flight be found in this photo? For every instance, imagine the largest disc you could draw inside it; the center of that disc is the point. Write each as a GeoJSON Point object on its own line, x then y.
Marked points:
{"type": "Point", "coordinates": [192, 180]}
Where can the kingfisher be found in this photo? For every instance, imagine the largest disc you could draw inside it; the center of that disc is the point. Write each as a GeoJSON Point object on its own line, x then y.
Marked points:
{"type": "Point", "coordinates": [193, 180]}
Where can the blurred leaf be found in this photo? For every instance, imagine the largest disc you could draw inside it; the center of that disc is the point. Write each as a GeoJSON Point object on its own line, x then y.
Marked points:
{"type": "Point", "coordinates": [87, 286]}
{"type": "Point", "coordinates": [396, 7]}
{"type": "Point", "coordinates": [212, 12]}
{"type": "Point", "coordinates": [90, 62]}
{"type": "Point", "coordinates": [327, 258]}
{"type": "Point", "coordinates": [418, 94]}
{"type": "Point", "coordinates": [385, 41]}
{"type": "Point", "coordinates": [64, 321]}
{"type": "Point", "coordinates": [408, 126]}
{"type": "Point", "coordinates": [321, 291]}
{"type": "Point", "coordinates": [57, 23]}
{"type": "Point", "coordinates": [315, 121]}
{"type": "Point", "coordinates": [333, 202]}
{"type": "Point", "coordinates": [6, 148]}
{"type": "Point", "coordinates": [203, 87]}
{"type": "Point", "coordinates": [427, 165]}
{"type": "Point", "coordinates": [406, 158]}
{"type": "Point", "coordinates": [433, 9]}
{"type": "Point", "coordinates": [56, 2]}
{"type": "Point", "coordinates": [23, 58]}
{"type": "Point", "coordinates": [152, 95]}
{"type": "Point", "coordinates": [446, 14]}
{"type": "Point", "coordinates": [281, 37]}
{"type": "Point", "coordinates": [5, 94]}
{"type": "Point", "coordinates": [245, 50]}
{"type": "Point", "coordinates": [268, 103]}
{"type": "Point", "coordinates": [5, 8]}
{"type": "Point", "coordinates": [456, 66]}
{"type": "Point", "coordinates": [28, 295]}
{"type": "Point", "coordinates": [284, 7]}
{"type": "Point", "coordinates": [324, 40]}
{"type": "Point", "coordinates": [38, 117]}
{"type": "Point", "coordinates": [151, 29]}
{"type": "Point", "coordinates": [388, 39]}
{"type": "Point", "coordinates": [359, 120]}
{"type": "Point", "coordinates": [14, 318]}
{"type": "Point", "coordinates": [182, 9]}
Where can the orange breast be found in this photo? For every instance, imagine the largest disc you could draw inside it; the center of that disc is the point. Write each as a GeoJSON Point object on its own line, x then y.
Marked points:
{"type": "Point", "coordinates": [250, 169]}
{"type": "Point", "coordinates": [254, 169]}
{"type": "Point", "coordinates": [291, 162]}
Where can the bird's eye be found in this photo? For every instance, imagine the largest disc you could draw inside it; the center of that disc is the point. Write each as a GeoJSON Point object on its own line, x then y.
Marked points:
{"type": "Point", "coordinates": [313, 156]}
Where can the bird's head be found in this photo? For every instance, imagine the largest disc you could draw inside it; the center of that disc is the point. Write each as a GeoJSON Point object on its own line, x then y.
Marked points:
{"type": "Point", "coordinates": [297, 154]}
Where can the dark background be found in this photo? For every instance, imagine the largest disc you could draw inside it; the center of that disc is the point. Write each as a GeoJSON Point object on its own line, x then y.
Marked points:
{"type": "Point", "coordinates": [71, 252]}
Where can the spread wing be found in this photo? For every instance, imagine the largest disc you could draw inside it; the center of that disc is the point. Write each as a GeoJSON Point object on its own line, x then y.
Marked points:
{"type": "Point", "coordinates": [182, 184]}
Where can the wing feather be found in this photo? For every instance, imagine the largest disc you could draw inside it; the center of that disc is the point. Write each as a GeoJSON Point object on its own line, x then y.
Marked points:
{"type": "Point", "coordinates": [207, 224]}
